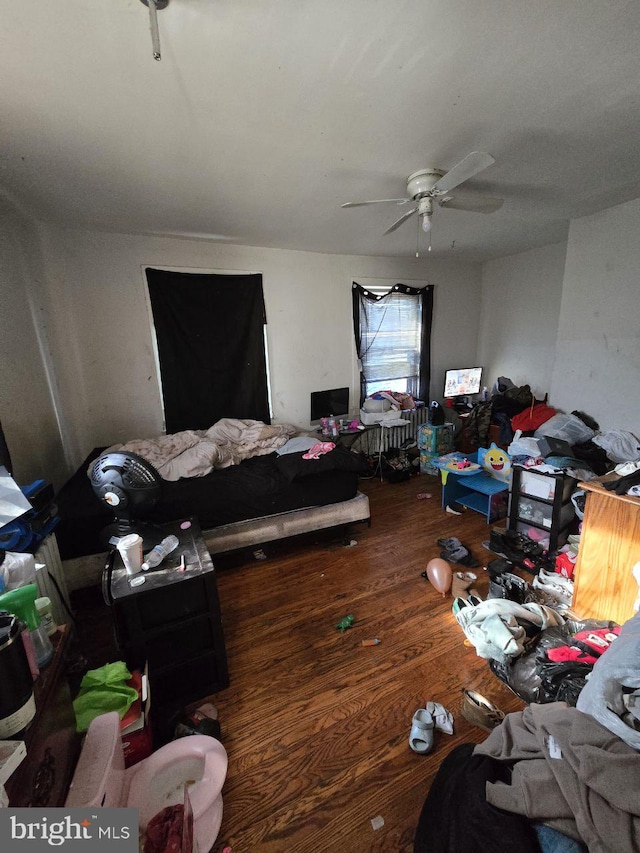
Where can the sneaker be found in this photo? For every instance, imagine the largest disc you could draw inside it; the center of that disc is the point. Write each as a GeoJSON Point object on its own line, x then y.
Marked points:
{"type": "Point", "coordinates": [514, 542]}
{"type": "Point", "coordinates": [562, 594]}
{"type": "Point", "coordinates": [556, 579]}
{"type": "Point", "coordinates": [504, 551]}
{"type": "Point", "coordinates": [498, 566]}
{"type": "Point", "coordinates": [480, 711]}
{"type": "Point", "coordinates": [509, 586]}
{"type": "Point", "coordinates": [518, 559]}
{"type": "Point", "coordinates": [537, 596]}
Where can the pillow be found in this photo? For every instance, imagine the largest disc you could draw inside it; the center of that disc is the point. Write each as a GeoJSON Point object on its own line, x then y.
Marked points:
{"type": "Point", "coordinates": [292, 466]}
{"type": "Point", "coordinates": [297, 444]}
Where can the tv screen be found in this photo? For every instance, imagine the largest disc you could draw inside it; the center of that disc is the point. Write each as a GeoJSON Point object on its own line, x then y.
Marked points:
{"type": "Point", "coordinates": [458, 383]}
{"type": "Point", "coordinates": [334, 402]}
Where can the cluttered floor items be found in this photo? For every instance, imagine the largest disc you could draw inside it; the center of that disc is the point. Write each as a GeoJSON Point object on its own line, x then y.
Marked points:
{"type": "Point", "coordinates": [550, 777]}
{"type": "Point", "coordinates": [524, 628]}
{"type": "Point", "coordinates": [433, 717]}
{"type": "Point", "coordinates": [177, 788]}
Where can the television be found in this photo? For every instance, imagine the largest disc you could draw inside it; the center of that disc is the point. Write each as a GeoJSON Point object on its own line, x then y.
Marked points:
{"type": "Point", "coordinates": [460, 383]}
{"type": "Point", "coordinates": [325, 404]}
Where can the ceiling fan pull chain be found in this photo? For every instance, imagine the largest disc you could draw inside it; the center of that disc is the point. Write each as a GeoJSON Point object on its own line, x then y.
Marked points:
{"type": "Point", "coordinates": [155, 33]}
{"type": "Point", "coordinates": [154, 5]}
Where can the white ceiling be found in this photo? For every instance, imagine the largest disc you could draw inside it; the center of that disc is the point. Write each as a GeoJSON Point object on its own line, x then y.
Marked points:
{"type": "Point", "coordinates": [265, 115]}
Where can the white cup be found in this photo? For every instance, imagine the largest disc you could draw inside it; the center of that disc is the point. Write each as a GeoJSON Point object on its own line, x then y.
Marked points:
{"type": "Point", "coordinates": [130, 548]}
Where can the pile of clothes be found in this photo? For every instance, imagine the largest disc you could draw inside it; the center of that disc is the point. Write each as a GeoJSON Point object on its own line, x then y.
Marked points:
{"type": "Point", "coordinates": [552, 777]}
{"type": "Point", "coordinates": [525, 630]}
{"type": "Point", "coordinates": [583, 450]}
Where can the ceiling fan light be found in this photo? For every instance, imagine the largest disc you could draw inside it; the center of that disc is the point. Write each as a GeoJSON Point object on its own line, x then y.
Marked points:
{"type": "Point", "coordinates": [426, 222]}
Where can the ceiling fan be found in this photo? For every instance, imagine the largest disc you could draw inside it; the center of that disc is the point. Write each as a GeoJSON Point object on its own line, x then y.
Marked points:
{"type": "Point", "coordinates": [429, 185]}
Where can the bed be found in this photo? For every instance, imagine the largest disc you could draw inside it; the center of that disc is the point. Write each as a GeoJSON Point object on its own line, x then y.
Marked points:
{"type": "Point", "coordinates": [260, 499]}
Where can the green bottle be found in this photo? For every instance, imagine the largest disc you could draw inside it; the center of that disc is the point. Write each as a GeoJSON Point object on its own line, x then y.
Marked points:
{"type": "Point", "coordinates": [21, 602]}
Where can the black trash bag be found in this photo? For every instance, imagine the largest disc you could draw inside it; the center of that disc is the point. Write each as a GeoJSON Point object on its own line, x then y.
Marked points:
{"type": "Point", "coordinates": [531, 677]}
{"type": "Point", "coordinates": [562, 681]}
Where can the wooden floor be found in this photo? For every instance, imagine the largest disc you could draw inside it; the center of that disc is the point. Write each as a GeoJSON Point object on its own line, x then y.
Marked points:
{"type": "Point", "coordinates": [315, 725]}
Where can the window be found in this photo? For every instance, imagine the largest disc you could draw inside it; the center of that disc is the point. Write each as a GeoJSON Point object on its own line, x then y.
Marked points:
{"type": "Point", "coordinates": [392, 328]}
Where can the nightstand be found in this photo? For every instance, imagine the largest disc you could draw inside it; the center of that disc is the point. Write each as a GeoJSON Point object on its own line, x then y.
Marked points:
{"type": "Point", "coordinates": [172, 621]}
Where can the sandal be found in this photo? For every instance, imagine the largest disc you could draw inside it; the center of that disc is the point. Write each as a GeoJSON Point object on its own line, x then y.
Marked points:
{"type": "Point", "coordinates": [421, 734]}
{"type": "Point", "coordinates": [460, 555]}
{"type": "Point", "coordinates": [450, 544]}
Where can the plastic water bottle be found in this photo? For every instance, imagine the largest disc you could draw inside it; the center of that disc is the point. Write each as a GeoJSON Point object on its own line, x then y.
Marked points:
{"type": "Point", "coordinates": [157, 554]}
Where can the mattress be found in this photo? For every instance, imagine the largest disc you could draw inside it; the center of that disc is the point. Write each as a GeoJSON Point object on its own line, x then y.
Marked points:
{"type": "Point", "coordinates": [259, 487]}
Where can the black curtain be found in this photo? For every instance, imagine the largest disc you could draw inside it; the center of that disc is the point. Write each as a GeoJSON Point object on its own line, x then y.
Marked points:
{"type": "Point", "coordinates": [425, 297]}
{"type": "Point", "coordinates": [5, 456]}
{"type": "Point", "coordinates": [210, 336]}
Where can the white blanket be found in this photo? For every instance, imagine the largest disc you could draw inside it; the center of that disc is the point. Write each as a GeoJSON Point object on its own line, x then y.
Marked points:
{"type": "Point", "coordinates": [194, 453]}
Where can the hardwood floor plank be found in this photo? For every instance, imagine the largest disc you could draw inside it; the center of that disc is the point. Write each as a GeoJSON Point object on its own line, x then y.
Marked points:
{"type": "Point", "coordinates": [316, 726]}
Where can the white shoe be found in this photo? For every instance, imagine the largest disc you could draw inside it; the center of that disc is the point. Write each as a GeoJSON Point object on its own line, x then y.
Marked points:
{"type": "Point", "coordinates": [556, 579]}
{"type": "Point", "coordinates": [562, 594]}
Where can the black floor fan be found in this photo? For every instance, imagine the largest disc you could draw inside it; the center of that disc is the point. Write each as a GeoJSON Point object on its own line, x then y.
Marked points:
{"type": "Point", "coordinates": [131, 487]}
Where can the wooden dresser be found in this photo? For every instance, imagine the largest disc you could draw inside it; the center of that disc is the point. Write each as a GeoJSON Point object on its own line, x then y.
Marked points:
{"type": "Point", "coordinates": [609, 549]}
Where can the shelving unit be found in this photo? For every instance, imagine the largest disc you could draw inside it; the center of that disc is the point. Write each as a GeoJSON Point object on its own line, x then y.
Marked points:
{"type": "Point", "coordinates": [480, 492]}
{"type": "Point", "coordinates": [540, 503]}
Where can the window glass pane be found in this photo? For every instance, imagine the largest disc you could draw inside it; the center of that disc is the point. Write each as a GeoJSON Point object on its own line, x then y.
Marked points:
{"type": "Point", "coordinates": [391, 331]}
{"type": "Point", "coordinates": [399, 385]}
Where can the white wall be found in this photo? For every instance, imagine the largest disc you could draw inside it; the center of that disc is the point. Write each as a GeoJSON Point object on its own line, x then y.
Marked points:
{"type": "Point", "coordinates": [26, 408]}
{"type": "Point", "coordinates": [77, 353]}
{"type": "Point", "coordinates": [102, 328]}
{"type": "Point", "coordinates": [565, 319]}
{"type": "Point", "coordinates": [521, 297]}
{"type": "Point", "coordinates": [598, 346]}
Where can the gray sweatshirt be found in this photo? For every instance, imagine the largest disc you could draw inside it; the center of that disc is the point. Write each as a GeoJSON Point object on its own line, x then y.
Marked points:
{"type": "Point", "coordinates": [569, 772]}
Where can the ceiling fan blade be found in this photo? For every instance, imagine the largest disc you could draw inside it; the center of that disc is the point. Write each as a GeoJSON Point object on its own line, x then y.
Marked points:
{"type": "Point", "coordinates": [473, 163]}
{"type": "Point", "coordinates": [475, 203]}
{"type": "Point", "coordinates": [376, 201]}
{"type": "Point", "coordinates": [399, 222]}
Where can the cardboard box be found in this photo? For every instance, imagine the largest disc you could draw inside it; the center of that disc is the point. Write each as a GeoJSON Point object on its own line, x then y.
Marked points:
{"type": "Point", "coordinates": [11, 754]}
{"type": "Point", "coordinates": [435, 440]}
{"type": "Point", "coordinates": [426, 463]}
{"type": "Point", "coordinates": [135, 728]}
